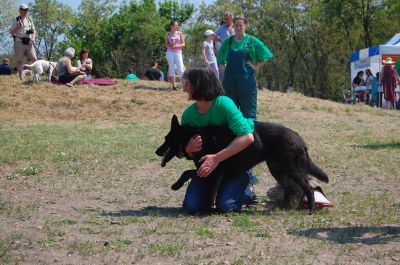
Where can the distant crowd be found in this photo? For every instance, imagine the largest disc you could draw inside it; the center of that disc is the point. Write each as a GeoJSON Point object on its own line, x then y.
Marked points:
{"type": "Point", "coordinates": [373, 89]}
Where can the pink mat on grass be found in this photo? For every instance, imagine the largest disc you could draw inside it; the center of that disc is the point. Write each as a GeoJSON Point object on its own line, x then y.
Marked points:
{"type": "Point", "coordinates": [99, 81]}
{"type": "Point", "coordinates": [96, 81]}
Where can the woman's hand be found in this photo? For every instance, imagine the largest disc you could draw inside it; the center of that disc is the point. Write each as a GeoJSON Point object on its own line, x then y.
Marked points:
{"type": "Point", "coordinates": [194, 145]}
{"type": "Point", "coordinates": [210, 162]}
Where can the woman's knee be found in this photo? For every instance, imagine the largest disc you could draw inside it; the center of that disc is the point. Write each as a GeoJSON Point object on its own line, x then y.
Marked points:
{"type": "Point", "coordinates": [190, 207]}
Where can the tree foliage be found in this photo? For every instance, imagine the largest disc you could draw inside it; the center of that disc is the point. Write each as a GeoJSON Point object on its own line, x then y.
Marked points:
{"type": "Point", "coordinates": [51, 19]}
{"type": "Point", "coordinates": [311, 39]}
{"type": "Point", "coordinates": [8, 12]}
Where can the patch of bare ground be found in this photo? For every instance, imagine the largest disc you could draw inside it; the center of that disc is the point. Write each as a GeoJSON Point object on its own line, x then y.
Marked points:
{"type": "Point", "coordinates": [80, 183]}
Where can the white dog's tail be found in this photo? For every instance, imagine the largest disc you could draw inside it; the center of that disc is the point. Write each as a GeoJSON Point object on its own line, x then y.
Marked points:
{"type": "Point", "coordinates": [30, 65]}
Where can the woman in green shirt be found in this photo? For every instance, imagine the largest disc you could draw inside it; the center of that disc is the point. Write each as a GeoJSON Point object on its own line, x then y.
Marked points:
{"type": "Point", "coordinates": [242, 54]}
{"type": "Point", "coordinates": [212, 108]}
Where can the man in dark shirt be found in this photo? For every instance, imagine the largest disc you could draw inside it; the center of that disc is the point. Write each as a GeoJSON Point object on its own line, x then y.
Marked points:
{"type": "Point", "coordinates": [153, 73]}
{"type": "Point", "coordinates": [5, 69]}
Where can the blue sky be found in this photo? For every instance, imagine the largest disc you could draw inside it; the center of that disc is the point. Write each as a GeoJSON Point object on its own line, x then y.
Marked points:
{"type": "Point", "coordinates": [75, 3]}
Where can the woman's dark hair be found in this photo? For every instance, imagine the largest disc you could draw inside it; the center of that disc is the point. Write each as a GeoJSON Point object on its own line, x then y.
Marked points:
{"type": "Point", "coordinates": [240, 18]}
{"type": "Point", "coordinates": [205, 84]}
{"type": "Point", "coordinates": [82, 52]}
{"type": "Point", "coordinates": [172, 23]}
{"type": "Point", "coordinates": [360, 72]}
{"type": "Point", "coordinates": [368, 71]}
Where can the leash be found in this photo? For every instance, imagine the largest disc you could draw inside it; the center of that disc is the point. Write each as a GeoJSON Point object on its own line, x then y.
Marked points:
{"type": "Point", "coordinates": [36, 48]}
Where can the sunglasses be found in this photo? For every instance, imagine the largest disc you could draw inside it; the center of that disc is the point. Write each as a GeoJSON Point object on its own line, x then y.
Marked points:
{"type": "Point", "coordinates": [22, 9]}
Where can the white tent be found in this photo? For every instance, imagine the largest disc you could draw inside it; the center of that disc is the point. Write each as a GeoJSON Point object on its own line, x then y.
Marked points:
{"type": "Point", "coordinates": [372, 57]}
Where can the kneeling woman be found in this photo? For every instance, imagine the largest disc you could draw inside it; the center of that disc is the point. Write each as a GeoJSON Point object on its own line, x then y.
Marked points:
{"type": "Point", "coordinates": [68, 74]}
{"type": "Point", "coordinates": [212, 108]}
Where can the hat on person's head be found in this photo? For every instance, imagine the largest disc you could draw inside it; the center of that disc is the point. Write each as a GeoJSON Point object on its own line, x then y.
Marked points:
{"type": "Point", "coordinates": [6, 60]}
{"type": "Point", "coordinates": [70, 52]}
{"type": "Point", "coordinates": [23, 6]}
{"type": "Point", "coordinates": [209, 32]}
{"type": "Point", "coordinates": [388, 60]}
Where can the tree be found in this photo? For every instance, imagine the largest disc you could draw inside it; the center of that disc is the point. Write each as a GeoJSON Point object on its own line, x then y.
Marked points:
{"type": "Point", "coordinates": [7, 13]}
{"type": "Point", "coordinates": [172, 10]}
{"type": "Point", "coordinates": [131, 38]}
{"type": "Point", "coordinates": [88, 20]}
{"type": "Point", "coordinates": [52, 20]}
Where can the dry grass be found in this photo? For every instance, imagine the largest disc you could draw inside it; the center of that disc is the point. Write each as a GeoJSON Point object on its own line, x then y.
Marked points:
{"type": "Point", "coordinates": [80, 184]}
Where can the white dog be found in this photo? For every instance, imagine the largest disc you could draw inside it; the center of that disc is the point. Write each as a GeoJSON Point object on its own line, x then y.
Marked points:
{"type": "Point", "coordinates": [41, 66]}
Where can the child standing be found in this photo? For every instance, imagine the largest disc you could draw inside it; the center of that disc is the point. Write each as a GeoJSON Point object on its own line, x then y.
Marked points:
{"type": "Point", "coordinates": [208, 51]}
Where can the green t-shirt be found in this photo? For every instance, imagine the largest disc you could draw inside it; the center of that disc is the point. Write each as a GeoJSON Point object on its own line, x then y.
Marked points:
{"type": "Point", "coordinates": [258, 52]}
{"type": "Point", "coordinates": [397, 66]}
{"type": "Point", "coordinates": [223, 112]}
{"type": "Point", "coordinates": [132, 77]}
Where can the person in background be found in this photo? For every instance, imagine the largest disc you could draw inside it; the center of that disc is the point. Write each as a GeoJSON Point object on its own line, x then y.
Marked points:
{"type": "Point", "coordinates": [368, 81]}
{"type": "Point", "coordinates": [207, 51]}
{"type": "Point", "coordinates": [375, 97]}
{"type": "Point", "coordinates": [85, 63]}
{"type": "Point", "coordinates": [174, 41]}
{"type": "Point", "coordinates": [5, 69]}
{"type": "Point", "coordinates": [24, 33]}
{"type": "Point", "coordinates": [389, 80]}
{"type": "Point", "coordinates": [224, 31]}
{"type": "Point", "coordinates": [358, 85]}
{"type": "Point", "coordinates": [212, 108]}
{"type": "Point", "coordinates": [68, 74]}
{"type": "Point", "coordinates": [131, 75]}
{"type": "Point", "coordinates": [242, 55]}
{"type": "Point", "coordinates": [397, 66]}
{"type": "Point", "coordinates": [153, 73]}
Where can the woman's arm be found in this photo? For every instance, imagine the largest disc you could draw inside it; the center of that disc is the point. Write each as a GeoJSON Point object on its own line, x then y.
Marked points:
{"type": "Point", "coordinates": [203, 53]}
{"type": "Point", "coordinates": [70, 68]}
{"type": "Point", "coordinates": [182, 41]}
{"type": "Point", "coordinates": [167, 45]}
{"type": "Point", "coordinates": [210, 162]}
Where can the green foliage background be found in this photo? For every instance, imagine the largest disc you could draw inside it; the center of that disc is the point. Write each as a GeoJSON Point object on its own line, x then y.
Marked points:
{"type": "Point", "coordinates": [311, 39]}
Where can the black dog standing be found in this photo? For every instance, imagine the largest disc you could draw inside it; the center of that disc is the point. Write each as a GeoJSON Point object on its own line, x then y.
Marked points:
{"type": "Point", "coordinates": [281, 148]}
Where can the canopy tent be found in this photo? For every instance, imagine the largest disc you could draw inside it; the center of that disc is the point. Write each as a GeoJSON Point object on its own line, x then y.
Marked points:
{"type": "Point", "coordinates": [372, 57]}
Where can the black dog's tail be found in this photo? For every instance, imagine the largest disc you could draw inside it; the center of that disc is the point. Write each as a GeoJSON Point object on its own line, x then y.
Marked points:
{"type": "Point", "coordinates": [314, 170]}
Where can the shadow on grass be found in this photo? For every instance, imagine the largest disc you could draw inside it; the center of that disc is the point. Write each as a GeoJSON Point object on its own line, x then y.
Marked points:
{"type": "Point", "coordinates": [370, 235]}
{"type": "Point", "coordinates": [375, 146]}
{"type": "Point", "coordinates": [146, 87]}
{"type": "Point", "coordinates": [148, 211]}
{"type": "Point", "coordinates": [178, 212]}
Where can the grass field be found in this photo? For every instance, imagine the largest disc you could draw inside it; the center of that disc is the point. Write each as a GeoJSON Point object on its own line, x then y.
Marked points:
{"type": "Point", "coordinates": [80, 183]}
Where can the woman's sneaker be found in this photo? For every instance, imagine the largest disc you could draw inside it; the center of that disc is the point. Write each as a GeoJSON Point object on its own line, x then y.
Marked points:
{"type": "Point", "coordinates": [253, 198]}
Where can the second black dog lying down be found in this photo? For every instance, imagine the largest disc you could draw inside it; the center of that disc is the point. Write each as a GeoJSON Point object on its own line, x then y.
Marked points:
{"type": "Point", "coordinates": [281, 148]}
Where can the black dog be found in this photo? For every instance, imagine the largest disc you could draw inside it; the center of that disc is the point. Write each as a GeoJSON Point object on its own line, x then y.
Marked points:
{"type": "Point", "coordinates": [281, 148]}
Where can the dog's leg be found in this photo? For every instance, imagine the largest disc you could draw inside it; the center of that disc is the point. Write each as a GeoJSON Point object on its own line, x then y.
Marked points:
{"type": "Point", "coordinates": [308, 191]}
{"type": "Point", "coordinates": [188, 174]}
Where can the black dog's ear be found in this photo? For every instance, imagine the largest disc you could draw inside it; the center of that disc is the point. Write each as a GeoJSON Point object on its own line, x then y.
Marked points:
{"type": "Point", "coordinates": [174, 122]}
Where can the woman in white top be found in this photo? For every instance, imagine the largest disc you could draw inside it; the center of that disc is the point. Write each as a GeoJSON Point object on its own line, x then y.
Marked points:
{"type": "Point", "coordinates": [85, 62]}
{"type": "Point", "coordinates": [174, 41]}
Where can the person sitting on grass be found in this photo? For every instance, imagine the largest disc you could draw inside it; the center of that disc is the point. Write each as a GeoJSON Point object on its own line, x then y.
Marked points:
{"type": "Point", "coordinates": [86, 63]}
{"type": "Point", "coordinates": [68, 74]}
{"type": "Point", "coordinates": [5, 69]}
{"type": "Point", "coordinates": [131, 75]}
{"type": "Point", "coordinates": [153, 73]}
